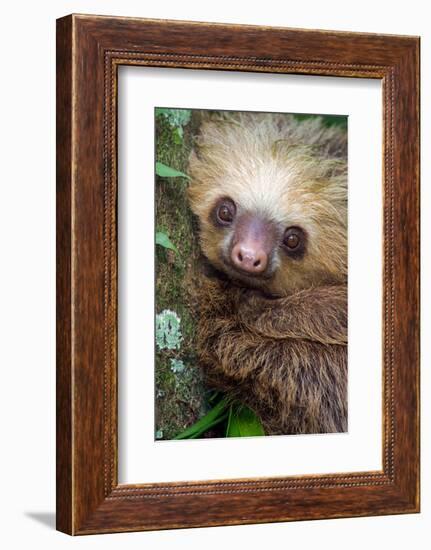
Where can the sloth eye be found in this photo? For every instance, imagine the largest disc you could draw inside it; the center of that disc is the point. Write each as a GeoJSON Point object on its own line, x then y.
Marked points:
{"type": "Point", "coordinates": [225, 212]}
{"type": "Point", "coordinates": [294, 242]}
{"type": "Point", "coordinates": [291, 241]}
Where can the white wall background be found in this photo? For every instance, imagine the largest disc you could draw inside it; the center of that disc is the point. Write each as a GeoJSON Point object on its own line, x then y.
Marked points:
{"type": "Point", "coordinates": [27, 237]}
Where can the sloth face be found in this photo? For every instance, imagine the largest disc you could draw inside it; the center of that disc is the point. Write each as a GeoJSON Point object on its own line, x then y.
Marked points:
{"type": "Point", "coordinates": [280, 250]}
{"type": "Point", "coordinates": [300, 242]}
{"type": "Point", "coordinates": [272, 216]}
{"type": "Point", "coordinates": [250, 245]}
{"type": "Point", "coordinates": [251, 248]}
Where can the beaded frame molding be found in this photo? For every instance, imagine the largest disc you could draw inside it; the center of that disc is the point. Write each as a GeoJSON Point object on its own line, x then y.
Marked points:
{"type": "Point", "coordinates": [89, 51]}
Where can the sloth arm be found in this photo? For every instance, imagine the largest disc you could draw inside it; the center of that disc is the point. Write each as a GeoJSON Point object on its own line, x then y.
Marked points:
{"type": "Point", "coordinates": [288, 354]}
{"type": "Point", "coordinates": [240, 328]}
{"type": "Point", "coordinates": [317, 314]}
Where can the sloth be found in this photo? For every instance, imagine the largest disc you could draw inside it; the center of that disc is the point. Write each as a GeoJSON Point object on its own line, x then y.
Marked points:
{"type": "Point", "coordinates": [270, 196]}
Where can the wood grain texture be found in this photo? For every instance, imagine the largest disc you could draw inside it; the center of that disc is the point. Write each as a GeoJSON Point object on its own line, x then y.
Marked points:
{"type": "Point", "coordinates": [64, 496]}
{"type": "Point", "coordinates": [90, 49]}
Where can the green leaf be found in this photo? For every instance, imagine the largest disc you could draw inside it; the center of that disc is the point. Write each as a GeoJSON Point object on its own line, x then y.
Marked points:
{"type": "Point", "coordinates": [167, 172]}
{"type": "Point", "coordinates": [163, 240]}
{"type": "Point", "coordinates": [214, 396]}
{"type": "Point", "coordinates": [216, 415]}
{"type": "Point", "coordinates": [178, 134]}
{"type": "Point", "coordinates": [243, 422]}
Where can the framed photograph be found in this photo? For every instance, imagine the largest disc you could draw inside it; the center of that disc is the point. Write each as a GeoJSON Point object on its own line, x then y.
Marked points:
{"type": "Point", "coordinates": [237, 274]}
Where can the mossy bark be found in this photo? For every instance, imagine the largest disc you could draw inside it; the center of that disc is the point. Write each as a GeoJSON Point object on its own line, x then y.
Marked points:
{"type": "Point", "coordinates": [180, 395]}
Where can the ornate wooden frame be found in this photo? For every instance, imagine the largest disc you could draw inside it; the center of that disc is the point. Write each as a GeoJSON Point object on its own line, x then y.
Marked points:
{"type": "Point", "coordinates": [89, 51]}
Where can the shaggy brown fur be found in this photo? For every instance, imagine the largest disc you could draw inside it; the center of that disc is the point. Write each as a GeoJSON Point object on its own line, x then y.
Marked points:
{"type": "Point", "coordinates": [277, 342]}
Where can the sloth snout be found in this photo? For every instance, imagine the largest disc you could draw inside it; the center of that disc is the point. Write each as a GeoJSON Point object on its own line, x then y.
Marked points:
{"type": "Point", "coordinates": [249, 257]}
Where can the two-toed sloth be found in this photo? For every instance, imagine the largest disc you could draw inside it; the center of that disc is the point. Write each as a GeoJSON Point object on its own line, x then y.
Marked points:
{"type": "Point", "coordinates": [270, 193]}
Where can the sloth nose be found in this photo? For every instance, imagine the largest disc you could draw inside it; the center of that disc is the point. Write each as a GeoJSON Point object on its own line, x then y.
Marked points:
{"type": "Point", "coordinates": [249, 257]}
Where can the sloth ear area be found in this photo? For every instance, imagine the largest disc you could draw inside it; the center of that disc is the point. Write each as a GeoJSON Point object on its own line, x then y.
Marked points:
{"type": "Point", "coordinates": [195, 154]}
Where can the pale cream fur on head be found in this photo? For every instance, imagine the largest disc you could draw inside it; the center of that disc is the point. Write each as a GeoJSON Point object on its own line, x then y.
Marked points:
{"type": "Point", "coordinates": [290, 172]}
